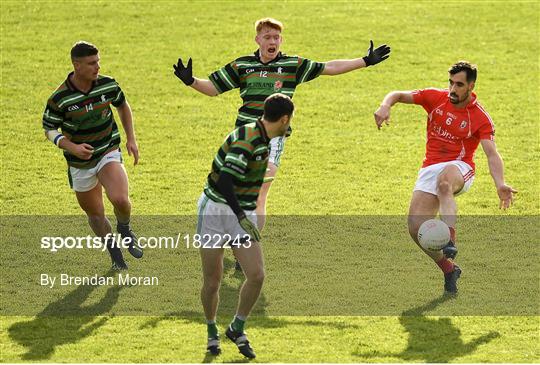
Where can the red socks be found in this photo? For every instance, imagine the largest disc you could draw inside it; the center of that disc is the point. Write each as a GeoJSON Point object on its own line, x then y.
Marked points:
{"type": "Point", "coordinates": [446, 265]}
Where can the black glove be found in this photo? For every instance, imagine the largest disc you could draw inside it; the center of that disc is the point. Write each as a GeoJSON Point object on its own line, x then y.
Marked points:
{"type": "Point", "coordinates": [184, 73]}
{"type": "Point", "coordinates": [375, 56]}
{"type": "Point", "coordinates": [250, 228]}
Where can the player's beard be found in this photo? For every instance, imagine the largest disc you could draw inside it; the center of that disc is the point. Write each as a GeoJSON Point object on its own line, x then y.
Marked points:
{"type": "Point", "coordinates": [456, 99]}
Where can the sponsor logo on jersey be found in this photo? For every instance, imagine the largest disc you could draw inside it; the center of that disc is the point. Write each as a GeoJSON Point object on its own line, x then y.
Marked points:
{"type": "Point", "coordinates": [463, 124]}
{"type": "Point", "coordinates": [440, 132]}
{"type": "Point", "coordinates": [278, 85]}
{"type": "Point", "coordinates": [72, 108]}
{"type": "Point", "coordinates": [234, 167]}
{"type": "Point", "coordinates": [261, 85]}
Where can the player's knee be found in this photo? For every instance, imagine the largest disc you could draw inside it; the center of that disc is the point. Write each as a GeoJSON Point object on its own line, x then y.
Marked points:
{"type": "Point", "coordinates": [96, 218]}
{"type": "Point", "coordinates": [444, 187]}
{"type": "Point", "coordinates": [212, 283]}
{"type": "Point", "coordinates": [257, 277]}
{"type": "Point", "coordinates": [120, 201]}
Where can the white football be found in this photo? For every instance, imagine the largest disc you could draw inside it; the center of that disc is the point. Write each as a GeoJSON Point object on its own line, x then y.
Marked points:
{"type": "Point", "coordinates": [433, 235]}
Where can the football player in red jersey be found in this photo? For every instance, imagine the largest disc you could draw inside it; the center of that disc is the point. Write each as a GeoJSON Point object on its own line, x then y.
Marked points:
{"type": "Point", "coordinates": [456, 124]}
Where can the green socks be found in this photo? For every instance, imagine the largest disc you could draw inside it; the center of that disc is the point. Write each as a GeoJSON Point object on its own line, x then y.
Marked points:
{"type": "Point", "coordinates": [238, 323]}
{"type": "Point", "coordinates": [212, 329]}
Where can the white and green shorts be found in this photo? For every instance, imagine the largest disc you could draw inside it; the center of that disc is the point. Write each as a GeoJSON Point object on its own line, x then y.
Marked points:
{"type": "Point", "coordinates": [82, 180]}
{"type": "Point", "coordinates": [217, 224]}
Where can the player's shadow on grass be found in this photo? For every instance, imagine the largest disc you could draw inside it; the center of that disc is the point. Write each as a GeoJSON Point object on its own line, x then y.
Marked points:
{"type": "Point", "coordinates": [228, 300]}
{"type": "Point", "coordinates": [432, 340]}
{"type": "Point", "coordinates": [64, 321]}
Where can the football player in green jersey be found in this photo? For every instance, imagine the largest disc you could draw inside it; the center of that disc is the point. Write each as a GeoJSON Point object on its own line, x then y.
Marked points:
{"type": "Point", "coordinates": [226, 216]}
{"type": "Point", "coordinates": [89, 136]}
{"type": "Point", "coordinates": [265, 72]}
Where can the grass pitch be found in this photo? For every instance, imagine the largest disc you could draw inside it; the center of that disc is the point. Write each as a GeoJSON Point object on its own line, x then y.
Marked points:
{"type": "Point", "coordinates": [336, 162]}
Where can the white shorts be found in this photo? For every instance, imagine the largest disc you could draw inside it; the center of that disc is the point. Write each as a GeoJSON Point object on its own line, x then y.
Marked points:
{"type": "Point", "coordinates": [82, 180]}
{"type": "Point", "coordinates": [218, 224]}
{"type": "Point", "coordinates": [277, 148]}
{"type": "Point", "coordinates": [427, 176]}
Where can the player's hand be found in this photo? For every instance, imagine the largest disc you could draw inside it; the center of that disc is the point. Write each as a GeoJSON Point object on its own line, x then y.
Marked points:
{"type": "Point", "coordinates": [133, 150]}
{"type": "Point", "coordinates": [249, 227]}
{"type": "Point", "coordinates": [185, 74]}
{"type": "Point", "coordinates": [382, 115]}
{"type": "Point", "coordinates": [83, 151]}
{"type": "Point", "coordinates": [506, 195]}
{"type": "Point", "coordinates": [378, 55]}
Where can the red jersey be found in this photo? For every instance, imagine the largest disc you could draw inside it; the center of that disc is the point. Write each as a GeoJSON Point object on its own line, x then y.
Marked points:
{"type": "Point", "coordinates": [452, 133]}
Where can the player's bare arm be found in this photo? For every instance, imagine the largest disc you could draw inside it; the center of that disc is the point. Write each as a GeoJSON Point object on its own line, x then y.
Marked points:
{"type": "Point", "coordinates": [382, 114]}
{"type": "Point", "coordinates": [126, 117]}
{"type": "Point", "coordinates": [496, 168]}
{"type": "Point", "coordinates": [338, 67]}
{"type": "Point", "coordinates": [374, 56]}
{"type": "Point", "coordinates": [185, 74]}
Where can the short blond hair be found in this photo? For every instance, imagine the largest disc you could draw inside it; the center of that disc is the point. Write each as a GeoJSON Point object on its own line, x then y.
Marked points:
{"type": "Point", "coordinates": [268, 22]}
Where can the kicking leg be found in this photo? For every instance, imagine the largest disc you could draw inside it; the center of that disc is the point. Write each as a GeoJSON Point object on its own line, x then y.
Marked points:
{"type": "Point", "coordinates": [423, 206]}
{"type": "Point", "coordinates": [449, 182]}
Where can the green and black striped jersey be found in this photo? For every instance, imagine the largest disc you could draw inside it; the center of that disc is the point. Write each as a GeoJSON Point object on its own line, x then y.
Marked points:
{"type": "Point", "coordinates": [86, 117]}
{"type": "Point", "coordinates": [244, 155]}
{"type": "Point", "coordinates": [258, 80]}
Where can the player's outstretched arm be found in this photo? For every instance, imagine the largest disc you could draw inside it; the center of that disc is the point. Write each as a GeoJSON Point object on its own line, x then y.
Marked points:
{"type": "Point", "coordinates": [374, 56]}
{"type": "Point", "coordinates": [126, 117]}
{"type": "Point", "coordinates": [185, 74]}
{"type": "Point", "coordinates": [496, 168]}
{"type": "Point", "coordinates": [382, 114]}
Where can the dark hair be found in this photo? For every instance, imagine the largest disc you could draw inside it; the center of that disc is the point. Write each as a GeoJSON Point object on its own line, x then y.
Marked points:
{"type": "Point", "coordinates": [83, 49]}
{"type": "Point", "coordinates": [276, 106]}
{"type": "Point", "coordinates": [469, 68]}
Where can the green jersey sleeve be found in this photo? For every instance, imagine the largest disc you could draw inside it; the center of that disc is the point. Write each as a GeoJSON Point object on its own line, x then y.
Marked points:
{"type": "Point", "coordinates": [52, 116]}
{"type": "Point", "coordinates": [307, 70]}
{"type": "Point", "coordinates": [119, 98]}
{"type": "Point", "coordinates": [226, 78]}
